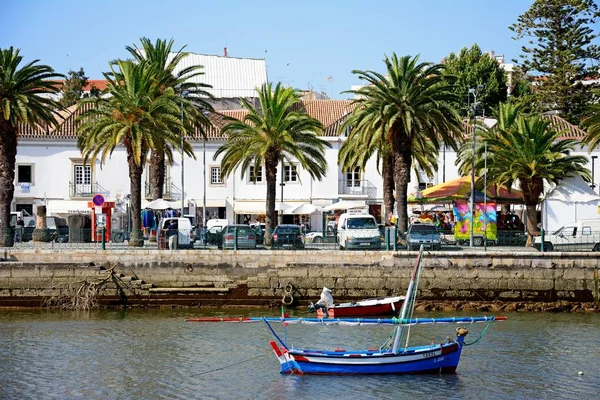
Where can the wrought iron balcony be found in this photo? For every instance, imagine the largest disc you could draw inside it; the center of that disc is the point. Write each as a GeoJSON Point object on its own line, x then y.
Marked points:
{"type": "Point", "coordinates": [357, 188]}
{"type": "Point", "coordinates": [79, 190]}
{"type": "Point", "coordinates": [170, 191]}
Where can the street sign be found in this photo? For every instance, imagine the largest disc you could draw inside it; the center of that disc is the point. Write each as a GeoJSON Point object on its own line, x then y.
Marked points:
{"type": "Point", "coordinates": [98, 200]}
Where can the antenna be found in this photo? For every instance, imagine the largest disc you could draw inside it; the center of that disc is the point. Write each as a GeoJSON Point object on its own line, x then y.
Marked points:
{"type": "Point", "coordinates": [329, 79]}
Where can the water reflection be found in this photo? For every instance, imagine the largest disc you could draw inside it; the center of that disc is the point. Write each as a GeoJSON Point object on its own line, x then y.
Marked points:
{"type": "Point", "coordinates": [141, 354]}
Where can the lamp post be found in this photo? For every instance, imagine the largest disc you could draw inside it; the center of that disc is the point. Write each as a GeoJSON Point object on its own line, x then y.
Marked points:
{"type": "Point", "coordinates": [282, 184]}
{"type": "Point", "coordinates": [183, 94]}
{"type": "Point", "coordinates": [473, 91]}
{"type": "Point", "coordinates": [204, 191]}
{"type": "Point", "coordinates": [593, 185]}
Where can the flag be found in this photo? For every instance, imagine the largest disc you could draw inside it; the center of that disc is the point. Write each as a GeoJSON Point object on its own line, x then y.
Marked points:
{"type": "Point", "coordinates": [284, 315]}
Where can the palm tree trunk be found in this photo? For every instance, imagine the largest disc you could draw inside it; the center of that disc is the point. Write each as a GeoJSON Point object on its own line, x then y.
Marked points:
{"type": "Point", "coordinates": [271, 175]}
{"type": "Point", "coordinates": [157, 173]}
{"type": "Point", "coordinates": [532, 222]}
{"type": "Point", "coordinates": [402, 176]}
{"type": "Point", "coordinates": [135, 186]}
{"type": "Point", "coordinates": [387, 173]}
{"type": "Point", "coordinates": [8, 155]}
{"type": "Point", "coordinates": [531, 189]}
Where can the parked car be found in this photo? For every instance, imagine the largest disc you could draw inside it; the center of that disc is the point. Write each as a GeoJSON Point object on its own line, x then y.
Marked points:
{"type": "Point", "coordinates": [57, 227]}
{"type": "Point", "coordinates": [583, 234]}
{"type": "Point", "coordinates": [246, 238]}
{"type": "Point", "coordinates": [181, 227]}
{"type": "Point", "coordinates": [212, 235]}
{"type": "Point", "coordinates": [358, 231]}
{"type": "Point", "coordinates": [318, 237]}
{"type": "Point", "coordinates": [287, 236]}
{"type": "Point", "coordinates": [423, 233]}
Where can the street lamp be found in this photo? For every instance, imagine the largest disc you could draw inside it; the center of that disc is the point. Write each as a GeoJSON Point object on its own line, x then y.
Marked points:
{"type": "Point", "coordinates": [183, 94]}
{"type": "Point", "coordinates": [474, 92]}
{"type": "Point", "coordinates": [593, 185]}
{"type": "Point", "coordinates": [282, 184]}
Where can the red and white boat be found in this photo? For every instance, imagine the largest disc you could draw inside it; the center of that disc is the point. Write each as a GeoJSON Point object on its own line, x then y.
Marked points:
{"type": "Point", "coordinates": [378, 306]}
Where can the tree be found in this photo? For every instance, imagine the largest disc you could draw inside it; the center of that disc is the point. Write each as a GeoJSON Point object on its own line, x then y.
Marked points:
{"type": "Point", "coordinates": [365, 140]}
{"type": "Point", "coordinates": [24, 100]}
{"type": "Point", "coordinates": [72, 88]}
{"type": "Point", "coordinates": [562, 50]}
{"type": "Point", "coordinates": [164, 62]}
{"type": "Point", "coordinates": [413, 106]}
{"type": "Point", "coordinates": [592, 124]}
{"type": "Point", "coordinates": [525, 149]}
{"type": "Point", "coordinates": [471, 68]}
{"type": "Point", "coordinates": [135, 116]}
{"type": "Point", "coordinates": [271, 133]}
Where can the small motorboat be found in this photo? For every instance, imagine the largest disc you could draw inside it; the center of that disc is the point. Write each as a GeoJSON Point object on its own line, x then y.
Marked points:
{"type": "Point", "coordinates": [377, 306]}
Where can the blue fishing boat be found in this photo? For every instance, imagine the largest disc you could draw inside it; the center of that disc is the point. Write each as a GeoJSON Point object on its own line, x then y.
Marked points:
{"type": "Point", "coordinates": [393, 357]}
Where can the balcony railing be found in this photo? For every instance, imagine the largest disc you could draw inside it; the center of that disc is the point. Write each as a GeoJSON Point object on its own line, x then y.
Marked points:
{"type": "Point", "coordinates": [357, 188]}
{"type": "Point", "coordinates": [79, 190]}
{"type": "Point", "coordinates": [170, 191]}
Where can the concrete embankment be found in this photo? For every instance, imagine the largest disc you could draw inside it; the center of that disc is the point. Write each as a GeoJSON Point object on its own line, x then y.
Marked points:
{"type": "Point", "coordinates": [29, 277]}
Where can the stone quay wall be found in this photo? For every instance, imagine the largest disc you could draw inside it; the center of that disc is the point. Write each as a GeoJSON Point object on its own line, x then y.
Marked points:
{"type": "Point", "coordinates": [216, 277]}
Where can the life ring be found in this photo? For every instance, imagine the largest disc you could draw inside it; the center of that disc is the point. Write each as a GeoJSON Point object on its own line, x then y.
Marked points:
{"type": "Point", "coordinates": [190, 268]}
{"type": "Point", "coordinates": [289, 288]}
{"type": "Point", "coordinates": [287, 299]}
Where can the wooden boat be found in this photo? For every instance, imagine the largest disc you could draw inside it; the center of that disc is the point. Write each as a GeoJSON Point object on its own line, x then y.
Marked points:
{"type": "Point", "coordinates": [378, 306]}
{"type": "Point", "coordinates": [392, 357]}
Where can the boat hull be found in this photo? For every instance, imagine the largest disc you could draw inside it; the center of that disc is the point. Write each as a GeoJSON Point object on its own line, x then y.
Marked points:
{"type": "Point", "coordinates": [384, 306]}
{"type": "Point", "coordinates": [438, 358]}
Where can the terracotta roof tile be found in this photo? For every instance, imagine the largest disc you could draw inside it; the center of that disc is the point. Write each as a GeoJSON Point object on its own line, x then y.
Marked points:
{"type": "Point", "coordinates": [567, 130]}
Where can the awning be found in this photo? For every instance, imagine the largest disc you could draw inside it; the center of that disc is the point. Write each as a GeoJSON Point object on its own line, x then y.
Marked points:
{"type": "Point", "coordinates": [257, 207]}
{"type": "Point", "coordinates": [345, 205]}
{"type": "Point", "coordinates": [213, 203]}
{"type": "Point", "coordinates": [54, 207]}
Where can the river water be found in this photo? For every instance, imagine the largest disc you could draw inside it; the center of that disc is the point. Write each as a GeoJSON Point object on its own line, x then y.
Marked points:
{"type": "Point", "coordinates": [154, 354]}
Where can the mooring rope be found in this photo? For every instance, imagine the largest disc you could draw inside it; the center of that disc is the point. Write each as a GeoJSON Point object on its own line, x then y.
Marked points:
{"type": "Point", "coordinates": [482, 333]}
{"type": "Point", "coordinates": [227, 366]}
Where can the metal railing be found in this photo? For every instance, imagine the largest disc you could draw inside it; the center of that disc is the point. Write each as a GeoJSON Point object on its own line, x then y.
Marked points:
{"type": "Point", "coordinates": [170, 190]}
{"type": "Point", "coordinates": [390, 239]}
{"type": "Point", "coordinates": [357, 187]}
{"type": "Point", "coordinates": [85, 190]}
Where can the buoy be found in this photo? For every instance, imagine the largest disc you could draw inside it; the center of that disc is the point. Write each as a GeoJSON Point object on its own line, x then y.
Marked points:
{"type": "Point", "coordinates": [580, 372]}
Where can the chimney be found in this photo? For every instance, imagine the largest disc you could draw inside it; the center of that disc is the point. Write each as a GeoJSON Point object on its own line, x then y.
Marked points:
{"type": "Point", "coordinates": [224, 51]}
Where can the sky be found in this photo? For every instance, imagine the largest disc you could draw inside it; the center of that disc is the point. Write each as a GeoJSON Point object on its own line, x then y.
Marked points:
{"type": "Point", "coordinates": [308, 45]}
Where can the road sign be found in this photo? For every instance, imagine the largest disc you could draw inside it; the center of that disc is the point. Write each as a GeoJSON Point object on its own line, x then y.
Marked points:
{"type": "Point", "coordinates": [98, 200]}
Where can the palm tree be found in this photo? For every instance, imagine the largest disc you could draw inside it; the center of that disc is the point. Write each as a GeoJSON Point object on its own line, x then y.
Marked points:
{"type": "Point", "coordinates": [411, 104]}
{"type": "Point", "coordinates": [269, 134]}
{"type": "Point", "coordinates": [134, 116]}
{"type": "Point", "coordinates": [524, 149]}
{"type": "Point", "coordinates": [161, 56]}
{"type": "Point", "coordinates": [592, 124]}
{"type": "Point", "coordinates": [362, 142]}
{"type": "Point", "coordinates": [25, 99]}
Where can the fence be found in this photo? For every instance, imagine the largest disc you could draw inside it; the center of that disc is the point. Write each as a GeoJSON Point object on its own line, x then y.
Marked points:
{"type": "Point", "coordinates": [390, 239]}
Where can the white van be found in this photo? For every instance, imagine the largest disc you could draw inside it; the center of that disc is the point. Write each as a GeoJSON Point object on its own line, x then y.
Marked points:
{"type": "Point", "coordinates": [182, 227]}
{"type": "Point", "coordinates": [583, 234]}
{"type": "Point", "coordinates": [358, 231]}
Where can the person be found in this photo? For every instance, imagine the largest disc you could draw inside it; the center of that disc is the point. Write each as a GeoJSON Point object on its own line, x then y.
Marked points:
{"type": "Point", "coordinates": [324, 302]}
{"type": "Point", "coordinates": [20, 227]}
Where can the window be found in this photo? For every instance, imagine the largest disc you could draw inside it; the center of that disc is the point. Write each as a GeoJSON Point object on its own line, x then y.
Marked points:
{"type": "Point", "coordinates": [82, 175]}
{"type": "Point", "coordinates": [24, 173]}
{"type": "Point", "coordinates": [586, 231]}
{"type": "Point", "coordinates": [215, 176]}
{"type": "Point", "coordinates": [290, 173]}
{"type": "Point", "coordinates": [353, 178]}
{"type": "Point", "coordinates": [424, 185]}
{"type": "Point", "coordinates": [258, 177]}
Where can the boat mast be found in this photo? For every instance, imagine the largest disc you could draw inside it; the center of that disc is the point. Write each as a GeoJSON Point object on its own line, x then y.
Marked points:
{"type": "Point", "coordinates": [408, 299]}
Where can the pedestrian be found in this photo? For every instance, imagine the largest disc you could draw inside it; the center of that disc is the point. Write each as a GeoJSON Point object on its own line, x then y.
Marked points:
{"type": "Point", "coordinates": [20, 227]}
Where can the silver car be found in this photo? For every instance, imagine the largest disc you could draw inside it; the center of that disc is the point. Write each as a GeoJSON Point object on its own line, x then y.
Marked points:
{"type": "Point", "coordinates": [246, 237]}
{"type": "Point", "coordinates": [425, 234]}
